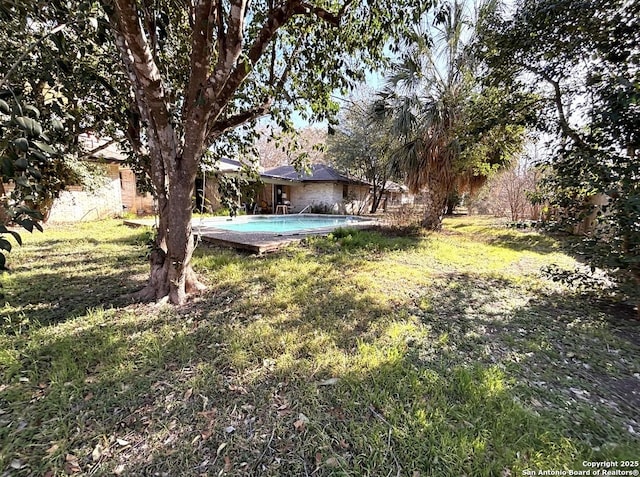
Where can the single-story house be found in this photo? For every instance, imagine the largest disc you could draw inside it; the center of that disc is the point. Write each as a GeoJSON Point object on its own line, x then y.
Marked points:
{"type": "Point", "coordinates": [207, 195]}
{"type": "Point", "coordinates": [398, 194]}
{"type": "Point", "coordinates": [322, 190]}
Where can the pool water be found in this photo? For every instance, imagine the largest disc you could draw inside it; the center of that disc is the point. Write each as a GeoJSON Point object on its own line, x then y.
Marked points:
{"type": "Point", "coordinates": [280, 223]}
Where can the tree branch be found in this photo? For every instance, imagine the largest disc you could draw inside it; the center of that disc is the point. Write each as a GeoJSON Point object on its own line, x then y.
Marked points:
{"type": "Point", "coordinates": [216, 128]}
{"type": "Point", "coordinates": [147, 78]}
{"type": "Point", "coordinates": [304, 8]}
{"type": "Point", "coordinates": [31, 47]}
{"type": "Point", "coordinates": [567, 130]}
{"type": "Point", "coordinates": [230, 49]}
{"type": "Point", "coordinates": [224, 125]}
{"type": "Point", "coordinates": [201, 51]}
{"type": "Point", "coordinates": [157, 171]}
{"type": "Point", "coordinates": [141, 59]}
{"type": "Point", "coordinates": [101, 147]}
{"type": "Point", "coordinates": [230, 73]}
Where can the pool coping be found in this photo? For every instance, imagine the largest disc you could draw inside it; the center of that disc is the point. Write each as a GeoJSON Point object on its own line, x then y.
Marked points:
{"type": "Point", "coordinates": [257, 242]}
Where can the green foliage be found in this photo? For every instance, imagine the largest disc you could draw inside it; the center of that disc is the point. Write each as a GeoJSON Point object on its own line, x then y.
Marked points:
{"type": "Point", "coordinates": [230, 190]}
{"type": "Point", "coordinates": [362, 147]}
{"type": "Point", "coordinates": [455, 132]}
{"type": "Point", "coordinates": [585, 53]}
{"type": "Point", "coordinates": [454, 199]}
{"type": "Point", "coordinates": [585, 280]}
{"type": "Point", "coordinates": [27, 161]}
{"type": "Point", "coordinates": [53, 89]}
{"type": "Point", "coordinates": [321, 208]}
{"type": "Point", "coordinates": [33, 168]}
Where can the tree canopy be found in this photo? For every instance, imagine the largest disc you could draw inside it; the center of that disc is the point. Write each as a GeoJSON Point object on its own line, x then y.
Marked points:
{"type": "Point", "coordinates": [454, 131]}
{"type": "Point", "coordinates": [581, 58]}
{"type": "Point", "coordinates": [362, 147]}
{"type": "Point", "coordinates": [199, 71]}
{"type": "Point", "coordinates": [53, 88]}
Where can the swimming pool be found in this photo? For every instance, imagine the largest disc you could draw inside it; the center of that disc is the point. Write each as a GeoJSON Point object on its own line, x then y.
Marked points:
{"type": "Point", "coordinates": [278, 224]}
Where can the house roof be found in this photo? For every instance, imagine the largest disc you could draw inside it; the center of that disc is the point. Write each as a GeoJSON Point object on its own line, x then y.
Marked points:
{"type": "Point", "coordinates": [318, 173]}
{"type": "Point", "coordinates": [228, 165]}
{"type": "Point", "coordinates": [395, 187]}
{"type": "Point", "coordinates": [110, 151]}
{"type": "Point", "coordinates": [102, 149]}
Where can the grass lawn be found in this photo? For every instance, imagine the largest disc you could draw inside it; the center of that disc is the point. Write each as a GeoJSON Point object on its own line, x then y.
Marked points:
{"type": "Point", "coordinates": [361, 354]}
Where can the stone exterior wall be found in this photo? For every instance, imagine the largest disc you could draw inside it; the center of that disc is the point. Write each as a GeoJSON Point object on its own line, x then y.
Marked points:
{"type": "Point", "coordinates": [76, 204]}
{"type": "Point", "coordinates": [117, 196]}
{"type": "Point", "coordinates": [317, 194]}
{"type": "Point", "coordinates": [329, 195]}
{"type": "Point", "coordinates": [359, 199]}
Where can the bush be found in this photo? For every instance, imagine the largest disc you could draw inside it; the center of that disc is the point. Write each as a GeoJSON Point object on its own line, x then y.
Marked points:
{"type": "Point", "coordinates": [321, 208]}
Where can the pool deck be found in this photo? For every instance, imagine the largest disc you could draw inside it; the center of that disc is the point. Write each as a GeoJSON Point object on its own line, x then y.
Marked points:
{"type": "Point", "coordinates": [256, 242]}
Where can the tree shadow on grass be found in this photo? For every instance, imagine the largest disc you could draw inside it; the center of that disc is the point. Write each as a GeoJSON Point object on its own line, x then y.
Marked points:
{"type": "Point", "coordinates": [563, 355]}
{"type": "Point", "coordinates": [153, 394]}
{"type": "Point", "coordinates": [224, 385]}
{"type": "Point", "coordinates": [169, 382]}
{"type": "Point", "coordinates": [533, 242]}
{"type": "Point", "coordinates": [537, 240]}
{"type": "Point", "coordinates": [65, 284]}
{"type": "Point", "coordinates": [179, 405]}
{"type": "Point", "coordinates": [240, 381]}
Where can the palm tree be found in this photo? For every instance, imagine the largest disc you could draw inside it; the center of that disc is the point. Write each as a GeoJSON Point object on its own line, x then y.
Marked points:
{"type": "Point", "coordinates": [429, 96]}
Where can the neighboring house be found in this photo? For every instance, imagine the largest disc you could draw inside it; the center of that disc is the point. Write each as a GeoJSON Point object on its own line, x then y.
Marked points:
{"type": "Point", "coordinates": [119, 193]}
{"type": "Point", "coordinates": [324, 189]}
{"type": "Point", "coordinates": [397, 194]}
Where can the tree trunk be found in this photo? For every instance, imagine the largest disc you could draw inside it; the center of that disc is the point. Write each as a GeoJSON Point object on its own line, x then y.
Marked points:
{"type": "Point", "coordinates": [217, 70]}
{"type": "Point", "coordinates": [440, 183]}
{"type": "Point", "coordinates": [451, 202]}
{"type": "Point", "coordinates": [180, 240]}
{"type": "Point", "coordinates": [171, 274]}
{"type": "Point", "coordinates": [434, 209]}
{"type": "Point", "coordinates": [375, 203]}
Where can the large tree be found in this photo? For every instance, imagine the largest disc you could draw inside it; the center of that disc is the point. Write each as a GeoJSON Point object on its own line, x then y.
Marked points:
{"type": "Point", "coordinates": [362, 147]}
{"type": "Point", "coordinates": [582, 58]}
{"type": "Point", "coordinates": [198, 70]}
{"type": "Point", "coordinates": [455, 133]}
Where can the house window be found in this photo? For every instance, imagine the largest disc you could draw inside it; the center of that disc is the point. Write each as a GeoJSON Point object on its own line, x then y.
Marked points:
{"type": "Point", "coordinates": [345, 191]}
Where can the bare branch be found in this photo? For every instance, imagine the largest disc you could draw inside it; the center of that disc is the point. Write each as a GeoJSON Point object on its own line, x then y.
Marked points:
{"type": "Point", "coordinates": [155, 143]}
{"type": "Point", "coordinates": [304, 8]}
{"type": "Point", "coordinates": [205, 18]}
{"type": "Point", "coordinates": [222, 34]}
{"type": "Point", "coordinates": [231, 48]}
{"type": "Point", "coordinates": [101, 147]}
{"type": "Point", "coordinates": [567, 130]}
{"type": "Point", "coordinates": [142, 62]}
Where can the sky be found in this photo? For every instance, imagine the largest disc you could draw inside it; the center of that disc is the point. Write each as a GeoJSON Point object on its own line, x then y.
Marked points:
{"type": "Point", "coordinates": [374, 80]}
